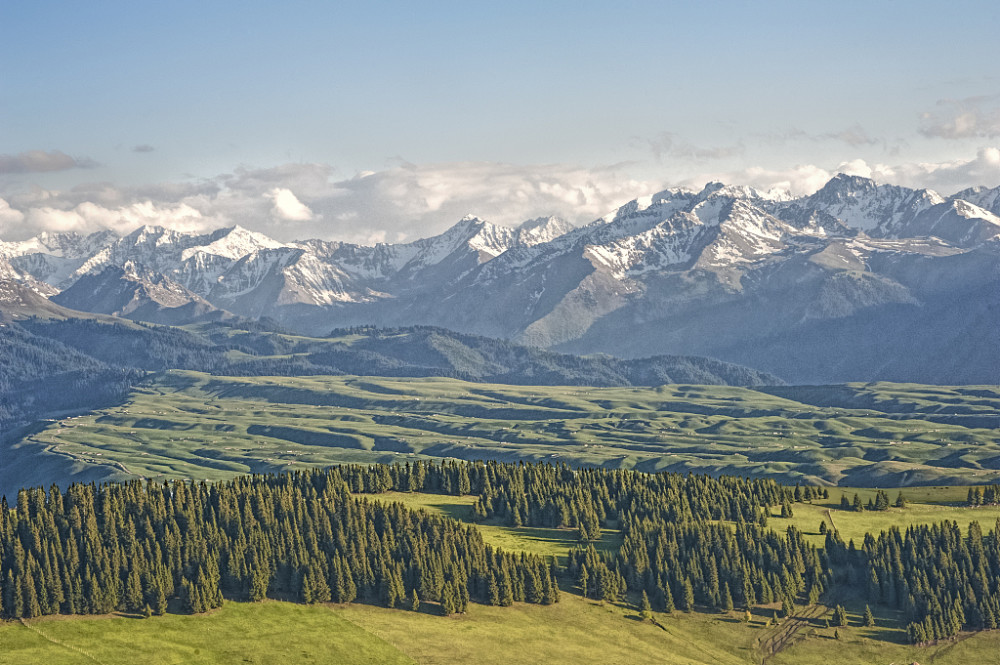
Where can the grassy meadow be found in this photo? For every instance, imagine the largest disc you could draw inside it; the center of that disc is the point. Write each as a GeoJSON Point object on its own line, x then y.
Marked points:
{"type": "Point", "coordinates": [269, 633]}
{"type": "Point", "coordinates": [190, 425]}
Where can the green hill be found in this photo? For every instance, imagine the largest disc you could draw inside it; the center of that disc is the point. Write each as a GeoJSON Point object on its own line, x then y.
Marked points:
{"type": "Point", "coordinates": [194, 425]}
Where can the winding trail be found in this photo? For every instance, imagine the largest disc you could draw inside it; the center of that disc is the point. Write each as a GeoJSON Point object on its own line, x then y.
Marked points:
{"type": "Point", "coordinates": [829, 516]}
{"type": "Point", "coordinates": [61, 643]}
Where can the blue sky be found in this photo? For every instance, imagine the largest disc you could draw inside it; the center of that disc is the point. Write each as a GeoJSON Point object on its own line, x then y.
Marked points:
{"type": "Point", "coordinates": [189, 97]}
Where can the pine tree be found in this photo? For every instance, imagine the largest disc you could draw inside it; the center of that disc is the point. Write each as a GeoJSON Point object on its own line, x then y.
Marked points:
{"type": "Point", "coordinates": [668, 599]}
{"type": "Point", "coordinates": [839, 616]}
{"type": "Point", "coordinates": [448, 599]}
{"type": "Point", "coordinates": [727, 598]}
{"type": "Point", "coordinates": [159, 600]}
{"type": "Point", "coordinates": [688, 596]}
{"type": "Point", "coordinates": [869, 618]}
{"type": "Point", "coordinates": [645, 609]}
{"type": "Point", "coordinates": [258, 585]}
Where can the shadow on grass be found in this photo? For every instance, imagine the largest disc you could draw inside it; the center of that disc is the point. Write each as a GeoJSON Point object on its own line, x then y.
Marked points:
{"type": "Point", "coordinates": [455, 511]}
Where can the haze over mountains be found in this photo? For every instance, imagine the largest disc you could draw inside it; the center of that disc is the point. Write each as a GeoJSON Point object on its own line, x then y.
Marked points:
{"type": "Point", "coordinates": [858, 281]}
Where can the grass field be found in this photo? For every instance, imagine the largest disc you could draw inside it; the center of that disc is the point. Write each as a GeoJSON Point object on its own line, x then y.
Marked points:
{"type": "Point", "coordinates": [807, 516]}
{"type": "Point", "coordinates": [574, 631]}
{"type": "Point", "coordinates": [268, 633]}
{"type": "Point", "coordinates": [545, 542]}
{"type": "Point", "coordinates": [191, 425]}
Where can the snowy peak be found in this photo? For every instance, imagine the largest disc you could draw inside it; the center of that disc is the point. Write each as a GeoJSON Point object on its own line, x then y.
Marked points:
{"type": "Point", "coordinates": [987, 199]}
{"type": "Point", "coordinates": [541, 229]}
{"type": "Point", "coordinates": [734, 233]}
{"type": "Point", "coordinates": [7, 271]}
{"type": "Point", "coordinates": [132, 291]}
{"type": "Point", "coordinates": [59, 245]}
{"type": "Point", "coordinates": [881, 211]}
{"type": "Point", "coordinates": [843, 188]}
{"type": "Point", "coordinates": [233, 243]}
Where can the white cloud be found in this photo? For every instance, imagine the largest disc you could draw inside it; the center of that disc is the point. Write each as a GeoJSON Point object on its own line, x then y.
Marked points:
{"type": "Point", "coordinates": [287, 206]}
{"type": "Point", "coordinates": [945, 177]}
{"type": "Point", "coordinates": [798, 180]}
{"type": "Point", "coordinates": [87, 217]}
{"type": "Point", "coordinates": [9, 218]}
{"type": "Point", "coordinates": [973, 117]}
{"type": "Point", "coordinates": [411, 201]}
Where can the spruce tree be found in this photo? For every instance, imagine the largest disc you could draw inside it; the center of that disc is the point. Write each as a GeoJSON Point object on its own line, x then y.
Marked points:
{"type": "Point", "coordinates": [645, 610]}
{"type": "Point", "coordinates": [727, 598]}
{"type": "Point", "coordinates": [687, 595]}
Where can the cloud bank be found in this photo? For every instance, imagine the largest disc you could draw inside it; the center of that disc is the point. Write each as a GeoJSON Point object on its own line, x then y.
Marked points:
{"type": "Point", "coordinates": [943, 177]}
{"type": "Point", "coordinates": [299, 201]}
{"type": "Point", "coordinates": [973, 117]}
{"type": "Point", "coordinates": [40, 161]}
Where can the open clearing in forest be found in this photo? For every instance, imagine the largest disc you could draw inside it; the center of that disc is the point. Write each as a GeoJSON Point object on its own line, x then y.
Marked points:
{"type": "Point", "coordinates": [191, 425]}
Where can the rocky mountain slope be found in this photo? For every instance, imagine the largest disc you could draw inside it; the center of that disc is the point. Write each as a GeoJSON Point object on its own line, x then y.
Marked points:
{"type": "Point", "coordinates": [858, 281]}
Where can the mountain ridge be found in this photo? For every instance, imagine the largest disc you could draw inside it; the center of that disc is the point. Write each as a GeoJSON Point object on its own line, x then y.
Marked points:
{"type": "Point", "coordinates": [723, 272]}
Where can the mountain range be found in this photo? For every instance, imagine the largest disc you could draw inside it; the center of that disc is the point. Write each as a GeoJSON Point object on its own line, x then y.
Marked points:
{"type": "Point", "coordinates": [858, 281]}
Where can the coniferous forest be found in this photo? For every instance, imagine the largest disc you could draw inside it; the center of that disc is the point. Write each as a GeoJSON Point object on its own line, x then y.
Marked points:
{"type": "Point", "coordinates": [686, 541]}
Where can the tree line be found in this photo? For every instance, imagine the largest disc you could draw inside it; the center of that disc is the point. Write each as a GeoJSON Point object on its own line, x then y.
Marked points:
{"type": "Point", "coordinates": [686, 541]}
{"type": "Point", "coordinates": [134, 547]}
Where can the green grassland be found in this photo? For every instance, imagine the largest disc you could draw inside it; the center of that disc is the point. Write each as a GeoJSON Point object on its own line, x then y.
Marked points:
{"type": "Point", "coordinates": [854, 525]}
{"type": "Point", "coordinates": [189, 425]}
{"type": "Point", "coordinates": [573, 631]}
{"type": "Point", "coordinates": [264, 633]}
{"type": "Point", "coordinates": [534, 540]}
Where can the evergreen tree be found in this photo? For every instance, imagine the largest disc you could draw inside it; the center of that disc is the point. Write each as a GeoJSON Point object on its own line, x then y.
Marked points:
{"type": "Point", "coordinates": [645, 609]}
{"type": "Point", "coordinates": [687, 595]}
{"type": "Point", "coordinates": [727, 598]}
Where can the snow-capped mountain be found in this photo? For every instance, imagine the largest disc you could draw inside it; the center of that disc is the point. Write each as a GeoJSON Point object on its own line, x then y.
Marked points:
{"type": "Point", "coordinates": [133, 292]}
{"type": "Point", "coordinates": [859, 280]}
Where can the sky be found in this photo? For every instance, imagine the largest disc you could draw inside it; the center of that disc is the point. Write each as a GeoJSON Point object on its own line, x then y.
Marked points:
{"type": "Point", "coordinates": [388, 121]}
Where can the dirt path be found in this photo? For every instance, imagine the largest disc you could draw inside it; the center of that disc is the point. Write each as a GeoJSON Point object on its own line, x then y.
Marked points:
{"type": "Point", "coordinates": [829, 516]}
{"type": "Point", "coordinates": [773, 643]}
{"type": "Point", "coordinates": [60, 643]}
